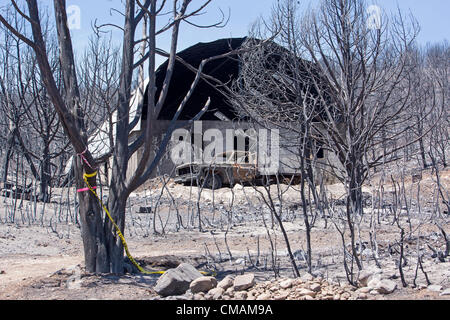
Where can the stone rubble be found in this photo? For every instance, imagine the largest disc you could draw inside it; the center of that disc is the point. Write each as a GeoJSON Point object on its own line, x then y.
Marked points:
{"type": "Point", "coordinates": [372, 284]}
{"type": "Point", "coordinates": [304, 288]}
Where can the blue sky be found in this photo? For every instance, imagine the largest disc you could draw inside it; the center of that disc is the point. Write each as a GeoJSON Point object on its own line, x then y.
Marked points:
{"type": "Point", "coordinates": [431, 14]}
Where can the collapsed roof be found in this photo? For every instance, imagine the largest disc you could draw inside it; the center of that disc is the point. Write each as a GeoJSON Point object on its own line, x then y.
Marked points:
{"type": "Point", "coordinates": [225, 70]}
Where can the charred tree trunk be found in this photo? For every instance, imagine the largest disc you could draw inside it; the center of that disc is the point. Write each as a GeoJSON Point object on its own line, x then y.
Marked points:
{"type": "Point", "coordinates": [116, 204]}
{"type": "Point", "coordinates": [9, 145]}
{"type": "Point", "coordinates": [96, 257]}
{"type": "Point", "coordinates": [92, 232]}
{"type": "Point", "coordinates": [354, 205]}
{"type": "Point", "coordinates": [305, 215]}
{"type": "Point", "coordinates": [45, 176]}
{"type": "Point", "coordinates": [421, 144]}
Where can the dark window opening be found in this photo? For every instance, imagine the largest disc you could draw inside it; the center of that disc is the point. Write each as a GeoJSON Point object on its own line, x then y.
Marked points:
{"type": "Point", "coordinates": [320, 153]}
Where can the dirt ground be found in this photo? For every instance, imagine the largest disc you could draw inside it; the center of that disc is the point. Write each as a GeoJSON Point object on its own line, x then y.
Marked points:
{"type": "Point", "coordinates": [44, 259]}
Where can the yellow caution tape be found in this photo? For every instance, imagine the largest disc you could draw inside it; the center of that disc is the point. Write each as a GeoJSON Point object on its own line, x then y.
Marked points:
{"type": "Point", "coordinates": [119, 233]}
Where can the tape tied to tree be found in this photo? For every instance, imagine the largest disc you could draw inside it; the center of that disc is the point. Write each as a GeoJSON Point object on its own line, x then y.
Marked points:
{"type": "Point", "coordinates": [119, 233]}
{"type": "Point", "coordinates": [81, 155]}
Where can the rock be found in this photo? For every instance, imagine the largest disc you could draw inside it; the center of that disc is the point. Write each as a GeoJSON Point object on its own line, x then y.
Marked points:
{"type": "Point", "coordinates": [346, 286]}
{"type": "Point", "coordinates": [203, 284]}
{"type": "Point", "coordinates": [307, 292]}
{"type": "Point", "coordinates": [315, 287]}
{"type": "Point", "coordinates": [189, 295]}
{"type": "Point", "coordinates": [369, 274]}
{"type": "Point", "coordinates": [435, 288]}
{"type": "Point", "coordinates": [199, 296]}
{"type": "Point", "coordinates": [345, 296]}
{"type": "Point", "coordinates": [216, 293]}
{"type": "Point", "coordinates": [386, 286]}
{"type": "Point", "coordinates": [244, 282]}
{"type": "Point", "coordinates": [226, 283]}
{"type": "Point", "coordinates": [208, 296]}
{"type": "Point", "coordinates": [286, 284]}
{"type": "Point", "coordinates": [364, 277]}
{"type": "Point", "coordinates": [297, 282]}
{"type": "Point", "coordinates": [274, 288]}
{"type": "Point", "coordinates": [446, 292]}
{"type": "Point", "coordinates": [363, 290]}
{"type": "Point", "coordinates": [373, 284]}
{"type": "Point", "coordinates": [281, 296]}
{"type": "Point", "coordinates": [307, 277]}
{"type": "Point", "coordinates": [362, 296]}
{"type": "Point", "coordinates": [241, 295]}
{"type": "Point", "coordinates": [264, 296]}
{"type": "Point", "coordinates": [230, 291]}
{"type": "Point", "coordinates": [176, 281]}
{"type": "Point", "coordinates": [374, 292]}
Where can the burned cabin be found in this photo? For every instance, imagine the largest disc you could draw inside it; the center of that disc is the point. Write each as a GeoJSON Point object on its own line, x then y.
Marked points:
{"type": "Point", "coordinates": [221, 115]}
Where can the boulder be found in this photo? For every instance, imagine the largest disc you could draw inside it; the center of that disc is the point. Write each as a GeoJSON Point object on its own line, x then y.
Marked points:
{"type": "Point", "coordinates": [286, 284]}
{"type": "Point", "coordinates": [373, 284]}
{"type": "Point", "coordinates": [226, 282]}
{"type": "Point", "coordinates": [203, 284]}
{"type": "Point", "coordinates": [365, 276]}
{"type": "Point", "coordinates": [435, 288]}
{"type": "Point", "coordinates": [176, 281]}
{"type": "Point", "coordinates": [386, 286]}
{"type": "Point", "coordinates": [244, 282]}
{"type": "Point", "coordinates": [446, 292]}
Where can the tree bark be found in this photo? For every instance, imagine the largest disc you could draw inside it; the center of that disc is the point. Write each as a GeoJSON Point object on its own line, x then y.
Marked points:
{"type": "Point", "coordinates": [9, 143]}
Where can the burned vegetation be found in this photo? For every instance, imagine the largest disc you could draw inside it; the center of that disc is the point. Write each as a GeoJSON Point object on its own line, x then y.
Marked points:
{"type": "Point", "coordinates": [308, 160]}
